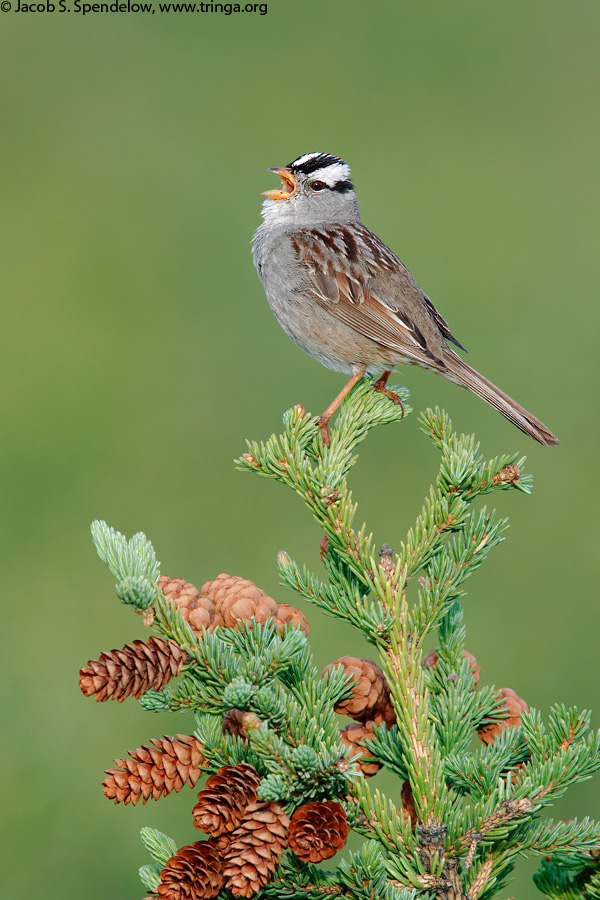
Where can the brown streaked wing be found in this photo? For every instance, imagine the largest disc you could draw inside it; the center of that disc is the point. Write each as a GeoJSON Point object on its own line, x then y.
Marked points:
{"type": "Point", "coordinates": [340, 287]}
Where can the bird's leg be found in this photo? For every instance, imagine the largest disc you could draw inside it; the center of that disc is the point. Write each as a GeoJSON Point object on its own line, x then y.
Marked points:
{"type": "Point", "coordinates": [380, 387]}
{"type": "Point", "coordinates": [324, 419]}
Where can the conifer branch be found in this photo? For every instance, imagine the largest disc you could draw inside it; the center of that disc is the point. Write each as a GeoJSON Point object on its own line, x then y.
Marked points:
{"type": "Point", "coordinates": [285, 783]}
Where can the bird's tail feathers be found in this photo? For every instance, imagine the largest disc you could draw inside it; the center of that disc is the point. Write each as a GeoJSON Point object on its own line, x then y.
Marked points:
{"type": "Point", "coordinates": [457, 370]}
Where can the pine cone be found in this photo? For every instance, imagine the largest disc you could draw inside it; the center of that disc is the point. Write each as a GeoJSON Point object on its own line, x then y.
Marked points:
{"type": "Point", "coordinates": [385, 714]}
{"type": "Point", "coordinates": [237, 599]}
{"type": "Point", "coordinates": [318, 831]}
{"type": "Point", "coordinates": [289, 615]}
{"type": "Point", "coordinates": [408, 811]}
{"type": "Point", "coordinates": [196, 609]}
{"type": "Point", "coordinates": [233, 723]}
{"type": "Point", "coordinates": [369, 691]}
{"type": "Point", "coordinates": [360, 732]}
{"type": "Point", "coordinates": [430, 661]}
{"type": "Point", "coordinates": [251, 854]}
{"type": "Point", "coordinates": [133, 670]}
{"type": "Point", "coordinates": [475, 667]}
{"type": "Point", "coordinates": [155, 771]}
{"type": "Point", "coordinates": [514, 705]}
{"type": "Point", "coordinates": [223, 801]}
{"type": "Point", "coordinates": [194, 873]}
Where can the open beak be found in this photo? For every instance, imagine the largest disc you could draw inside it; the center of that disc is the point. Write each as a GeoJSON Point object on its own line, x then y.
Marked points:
{"type": "Point", "coordinates": [288, 185]}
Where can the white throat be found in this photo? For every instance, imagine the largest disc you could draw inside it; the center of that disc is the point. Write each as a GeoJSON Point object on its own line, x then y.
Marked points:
{"type": "Point", "coordinates": [276, 212]}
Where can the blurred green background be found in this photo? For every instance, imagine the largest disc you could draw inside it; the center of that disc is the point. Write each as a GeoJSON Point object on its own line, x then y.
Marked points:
{"type": "Point", "coordinates": [138, 350]}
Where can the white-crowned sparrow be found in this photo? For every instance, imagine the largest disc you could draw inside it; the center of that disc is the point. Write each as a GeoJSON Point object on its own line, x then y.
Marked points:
{"type": "Point", "coordinates": [346, 299]}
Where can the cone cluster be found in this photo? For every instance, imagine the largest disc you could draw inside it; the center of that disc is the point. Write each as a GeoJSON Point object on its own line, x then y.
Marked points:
{"type": "Point", "coordinates": [248, 835]}
{"type": "Point", "coordinates": [227, 601]}
{"type": "Point", "coordinates": [514, 706]}
{"type": "Point", "coordinates": [133, 670]}
{"type": "Point", "coordinates": [155, 770]}
{"type": "Point", "coordinates": [369, 704]}
{"type": "Point", "coordinates": [253, 849]}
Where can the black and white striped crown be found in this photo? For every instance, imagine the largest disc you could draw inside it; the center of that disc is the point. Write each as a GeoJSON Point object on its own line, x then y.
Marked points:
{"type": "Point", "coordinates": [312, 162]}
{"type": "Point", "coordinates": [333, 170]}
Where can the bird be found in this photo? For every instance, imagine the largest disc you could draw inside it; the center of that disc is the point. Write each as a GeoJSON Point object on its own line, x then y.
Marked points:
{"type": "Point", "coordinates": [346, 299]}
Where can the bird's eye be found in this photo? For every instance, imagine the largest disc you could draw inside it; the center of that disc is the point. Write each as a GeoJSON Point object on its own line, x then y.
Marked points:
{"type": "Point", "coordinates": [318, 186]}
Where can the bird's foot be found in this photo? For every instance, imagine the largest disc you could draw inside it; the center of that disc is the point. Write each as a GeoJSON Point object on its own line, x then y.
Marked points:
{"type": "Point", "coordinates": [323, 423]}
{"type": "Point", "coordinates": [380, 387]}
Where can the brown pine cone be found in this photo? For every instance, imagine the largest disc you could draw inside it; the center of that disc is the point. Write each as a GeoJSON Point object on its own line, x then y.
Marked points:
{"type": "Point", "coordinates": [289, 615]}
{"type": "Point", "coordinates": [233, 723]}
{"type": "Point", "coordinates": [251, 852]}
{"type": "Point", "coordinates": [360, 732]}
{"type": "Point", "coordinates": [514, 706]}
{"type": "Point", "coordinates": [193, 873]}
{"type": "Point", "coordinates": [196, 609]}
{"type": "Point", "coordinates": [369, 691]}
{"type": "Point", "coordinates": [408, 811]}
{"type": "Point", "coordinates": [240, 724]}
{"type": "Point", "coordinates": [385, 713]}
{"type": "Point", "coordinates": [155, 771]}
{"type": "Point", "coordinates": [431, 658]}
{"type": "Point", "coordinates": [236, 599]}
{"type": "Point", "coordinates": [133, 670]}
{"type": "Point", "coordinates": [223, 801]}
{"type": "Point", "coordinates": [318, 831]}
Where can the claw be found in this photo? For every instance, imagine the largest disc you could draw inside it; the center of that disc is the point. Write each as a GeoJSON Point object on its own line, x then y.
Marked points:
{"type": "Point", "coordinates": [324, 431]}
{"type": "Point", "coordinates": [380, 387]}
